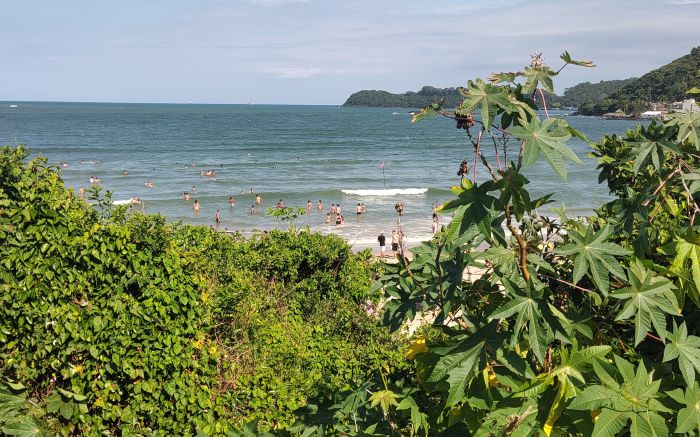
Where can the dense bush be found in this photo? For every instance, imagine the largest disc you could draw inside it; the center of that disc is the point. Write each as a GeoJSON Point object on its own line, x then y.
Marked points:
{"type": "Point", "coordinates": [123, 324]}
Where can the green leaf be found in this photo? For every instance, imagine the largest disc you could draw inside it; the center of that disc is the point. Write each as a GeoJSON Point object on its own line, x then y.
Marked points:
{"type": "Point", "coordinates": [473, 206]}
{"type": "Point", "coordinates": [594, 256]}
{"type": "Point", "coordinates": [688, 123]}
{"type": "Point", "coordinates": [385, 399]}
{"type": "Point", "coordinates": [689, 417]}
{"type": "Point", "coordinates": [688, 249]}
{"type": "Point", "coordinates": [652, 149]}
{"type": "Point", "coordinates": [490, 98]}
{"type": "Point", "coordinates": [547, 138]}
{"type": "Point", "coordinates": [609, 423]}
{"type": "Point", "coordinates": [538, 75]}
{"type": "Point", "coordinates": [593, 397]}
{"type": "Point", "coordinates": [686, 348]}
{"type": "Point", "coordinates": [647, 299]}
{"type": "Point", "coordinates": [566, 57]}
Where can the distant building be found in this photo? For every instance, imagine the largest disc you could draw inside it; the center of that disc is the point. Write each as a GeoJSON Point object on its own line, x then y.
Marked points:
{"type": "Point", "coordinates": [690, 105]}
{"type": "Point", "coordinates": [652, 114]}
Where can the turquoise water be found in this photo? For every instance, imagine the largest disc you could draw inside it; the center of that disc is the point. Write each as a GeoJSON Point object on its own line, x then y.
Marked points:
{"type": "Point", "coordinates": [293, 153]}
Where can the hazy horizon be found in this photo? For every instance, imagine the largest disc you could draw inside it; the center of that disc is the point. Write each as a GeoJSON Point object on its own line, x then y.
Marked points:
{"type": "Point", "coordinates": [310, 52]}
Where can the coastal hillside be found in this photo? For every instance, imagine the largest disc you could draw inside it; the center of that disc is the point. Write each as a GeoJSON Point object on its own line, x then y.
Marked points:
{"type": "Point", "coordinates": [572, 97]}
{"type": "Point", "coordinates": [663, 85]}
{"type": "Point", "coordinates": [578, 94]}
{"type": "Point", "coordinates": [409, 99]}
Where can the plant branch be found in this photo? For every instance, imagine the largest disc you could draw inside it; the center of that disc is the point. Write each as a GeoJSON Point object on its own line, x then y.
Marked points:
{"type": "Point", "coordinates": [544, 103]}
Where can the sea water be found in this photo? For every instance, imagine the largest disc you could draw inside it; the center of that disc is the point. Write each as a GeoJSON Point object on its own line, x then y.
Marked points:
{"type": "Point", "coordinates": [289, 153]}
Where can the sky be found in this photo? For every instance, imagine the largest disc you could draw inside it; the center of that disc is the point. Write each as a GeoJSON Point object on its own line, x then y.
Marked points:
{"type": "Point", "coordinates": [319, 51]}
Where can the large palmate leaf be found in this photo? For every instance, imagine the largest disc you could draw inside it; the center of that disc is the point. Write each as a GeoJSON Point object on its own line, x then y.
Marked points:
{"type": "Point", "coordinates": [490, 98]}
{"type": "Point", "coordinates": [686, 348]}
{"type": "Point", "coordinates": [457, 365]}
{"type": "Point", "coordinates": [648, 298]}
{"type": "Point", "coordinates": [473, 205]}
{"type": "Point", "coordinates": [538, 75]}
{"type": "Point", "coordinates": [548, 138]}
{"type": "Point", "coordinates": [689, 417]}
{"type": "Point", "coordinates": [652, 149]}
{"type": "Point", "coordinates": [529, 309]}
{"type": "Point", "coordinates": [513, 193]}
{"type": "Point", "coordinates": [688, 249]}
{"type": "Point", "coordinates": [595, 256]}
{"type": "Point", "coordinates": [626, 395]}
{"type": "Point", "coordinates": [688, 126]}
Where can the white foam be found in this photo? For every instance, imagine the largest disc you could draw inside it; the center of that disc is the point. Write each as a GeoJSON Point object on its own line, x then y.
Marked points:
{"type": "Point", "coordinates": [122, 202]}
{"type": "Point", "coordinates": [386, 192]}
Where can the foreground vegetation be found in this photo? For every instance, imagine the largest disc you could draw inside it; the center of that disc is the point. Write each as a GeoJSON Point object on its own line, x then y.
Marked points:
{"type": "Point", "coordinates": [577, 327]}
{"type": "Point", "coordinates": [120, 324]}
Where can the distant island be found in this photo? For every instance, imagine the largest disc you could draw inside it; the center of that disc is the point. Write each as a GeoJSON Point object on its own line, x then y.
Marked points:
{"type": "Point", "coordinates": [409, 99]}
{"type": "Point", "coordinates": [656, 90]}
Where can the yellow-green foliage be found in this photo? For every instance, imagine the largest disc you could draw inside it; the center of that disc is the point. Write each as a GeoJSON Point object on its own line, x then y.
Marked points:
{"type": "Point", "coordinates": [120, 324]}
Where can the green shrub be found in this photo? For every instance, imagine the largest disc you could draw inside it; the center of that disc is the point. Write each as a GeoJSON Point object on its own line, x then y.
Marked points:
{"type": "Point", "coordinates": [123, 324]}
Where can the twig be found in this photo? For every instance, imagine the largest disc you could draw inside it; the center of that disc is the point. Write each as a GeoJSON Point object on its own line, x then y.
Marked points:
{"type": "Point", "coordinates": [662, 185]}
{"type": "Point", "coordinates": [476, 154]}
{"type": "Point", "coordinates": [568, 283]}
{"type": "Point", "coordinates": [544, 103]}
{"type": "Point", "coordinates": [520, 154]}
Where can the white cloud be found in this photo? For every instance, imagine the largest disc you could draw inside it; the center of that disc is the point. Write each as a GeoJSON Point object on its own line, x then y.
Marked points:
{"type": "Point", "coordinates": [683, 2]}
{"type": "Point", "coordinates": [292, 72]}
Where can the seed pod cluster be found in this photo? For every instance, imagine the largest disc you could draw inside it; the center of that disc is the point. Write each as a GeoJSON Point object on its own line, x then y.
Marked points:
{"type": "Point", "coordinates": [464, 121]}
{"type": "Point", "coordinates": [463, 169]}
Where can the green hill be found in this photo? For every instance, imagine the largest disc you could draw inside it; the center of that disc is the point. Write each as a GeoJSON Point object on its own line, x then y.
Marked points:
{"type": "Point", "coordinates": [409, 99]}
{"type": "Point", "coordinates": [578, 94]}
{"type": "Point", "coordinates": [664, 85]}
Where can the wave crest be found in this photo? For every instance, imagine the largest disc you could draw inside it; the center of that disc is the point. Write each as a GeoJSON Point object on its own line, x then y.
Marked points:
{"type": "Point", "coordinates": [387, 192]}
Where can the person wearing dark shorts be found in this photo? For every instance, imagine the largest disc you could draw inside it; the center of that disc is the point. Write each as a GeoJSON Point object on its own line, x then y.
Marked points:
{"type": "Point", "coordinates": [394, 241]}
{"type": "Point", "coordinates": [382, 243]}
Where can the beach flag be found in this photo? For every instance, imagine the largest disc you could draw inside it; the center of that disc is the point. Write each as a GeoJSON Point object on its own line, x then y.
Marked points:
{"type": "Point", "coordinates": [381, 164]}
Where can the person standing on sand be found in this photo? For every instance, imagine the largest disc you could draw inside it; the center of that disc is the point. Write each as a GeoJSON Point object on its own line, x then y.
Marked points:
{"type": "Point", "coordinates": [395, 241]}
{"type": "Point", "coordinates": [435, 225]}
{"type": "Point", "coordinates": [217, 217]}
{"type": "Point", "coordinates": [382, 244]}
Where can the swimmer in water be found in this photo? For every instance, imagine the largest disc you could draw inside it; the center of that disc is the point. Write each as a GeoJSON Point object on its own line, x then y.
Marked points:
{"type": "Point", "coordinates": [258, 199]}
{"type": "Point", "coordinates": [217, 217]}
{"type": "Point", "coordinates": [252, 209]}
{"type": "Point", "coordinates": [231, 201]}
{"type": "Point", "coordinates": [194, 190]}
{"type": "Point", "coordinates": [125, 173]}
{"type": "Point", "coordinates": [309, 206]}
{"type": "Point", "coordinates": [149, 184]}
{"type": "Point", "coordinates": [320, 205]}
{"type": "Point", "coordinates": [196, 206]}
{"type": "Point", "coordinates": [328, 218]}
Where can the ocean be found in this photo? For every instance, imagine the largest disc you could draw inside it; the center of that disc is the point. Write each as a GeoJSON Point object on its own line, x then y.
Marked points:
{"type": "Point", "coordinates": [289, 153]}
